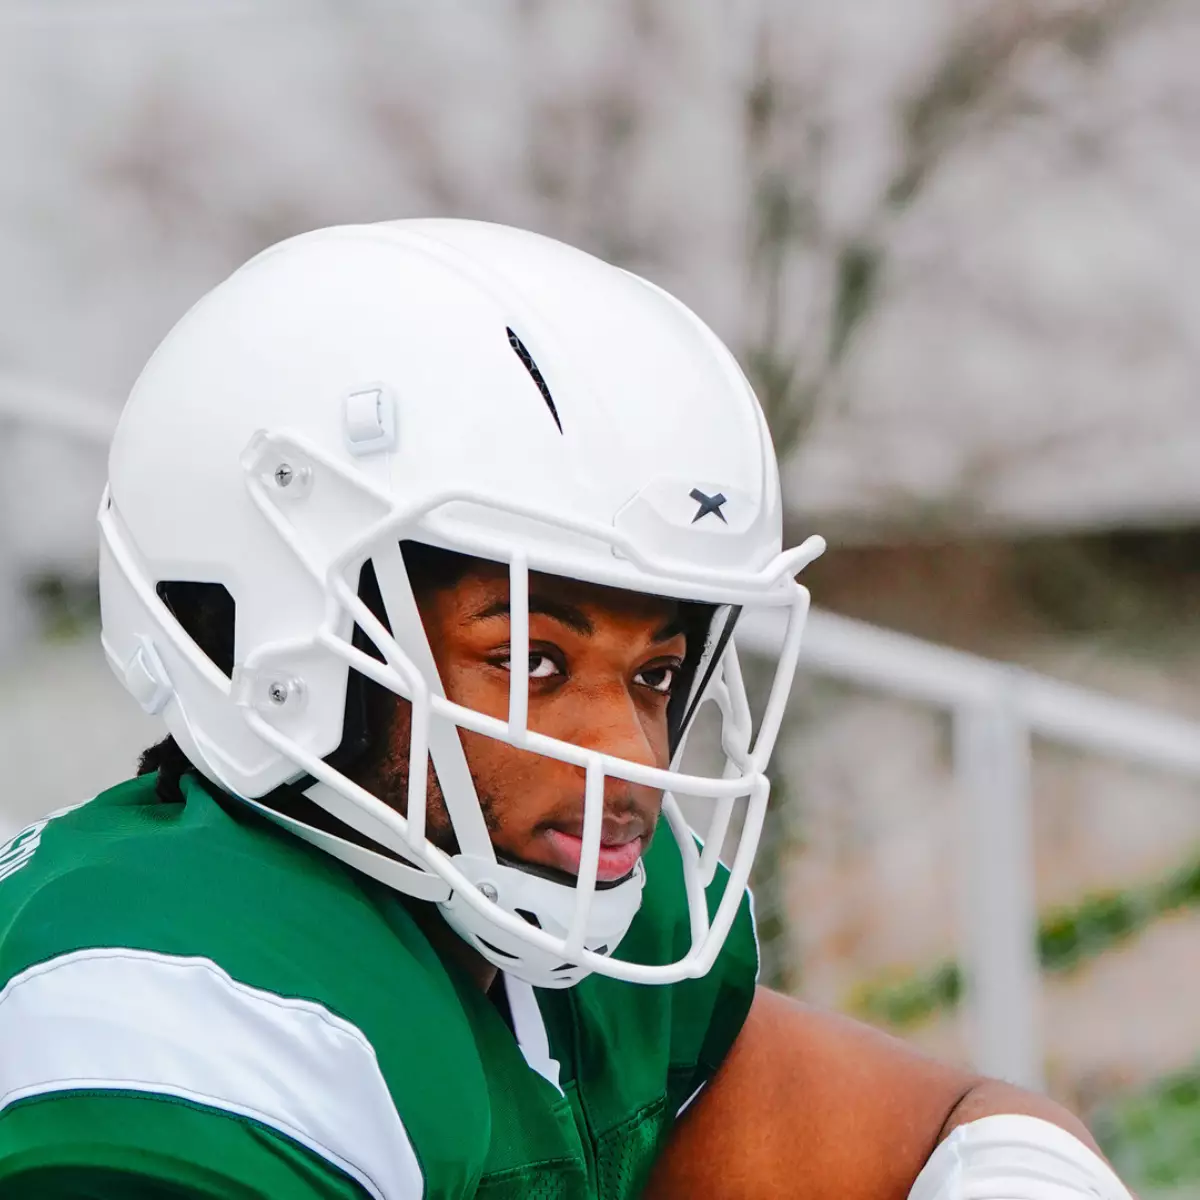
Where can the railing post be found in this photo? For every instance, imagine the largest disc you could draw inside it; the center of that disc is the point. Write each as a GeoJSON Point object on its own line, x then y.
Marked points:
{"type": "Point", "coordinates": [998, 934]}
{"type": "Point", "coordinates": [15, 616]}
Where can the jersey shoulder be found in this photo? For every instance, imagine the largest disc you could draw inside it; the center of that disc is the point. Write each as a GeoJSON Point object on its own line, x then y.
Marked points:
{"type": "Point", "coordinates": [207, 878]}
{"type": "Point", "coordinates": [248, 970]}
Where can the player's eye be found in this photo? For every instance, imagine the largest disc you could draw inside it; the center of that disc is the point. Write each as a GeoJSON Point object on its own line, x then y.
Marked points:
{"type": "Point", "coordinates": [658, 679]}
{"type": "Point", "coordinates": [541, 666]}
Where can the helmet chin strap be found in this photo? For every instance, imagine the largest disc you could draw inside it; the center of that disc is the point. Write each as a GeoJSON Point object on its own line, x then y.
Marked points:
{"type": "Point", "coordinates": [445, 745]}
{"type": "Point", "coordinates": [410, 880]}
{"type": "Point", "coordinates": [551, 905]}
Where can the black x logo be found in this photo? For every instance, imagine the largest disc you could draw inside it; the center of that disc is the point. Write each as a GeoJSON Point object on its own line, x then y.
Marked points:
{"type": "Point", "coordinates": [708, 504]}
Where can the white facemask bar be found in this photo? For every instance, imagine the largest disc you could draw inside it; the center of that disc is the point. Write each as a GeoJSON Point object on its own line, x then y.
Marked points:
{"type": "Point", "coordinates": [728, 691]}
{"type": "Point", "coordinates": [444, 744]}
{"type": "Point", "coordinates": [743, 775]}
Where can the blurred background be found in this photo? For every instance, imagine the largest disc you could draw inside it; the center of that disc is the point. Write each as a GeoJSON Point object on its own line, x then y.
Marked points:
{"type": "Point", "coordinates": [955, 244]}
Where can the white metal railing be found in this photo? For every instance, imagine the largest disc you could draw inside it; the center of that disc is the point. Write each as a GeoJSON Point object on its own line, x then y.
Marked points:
{"type": "Point", "coordinates": [996, 710]}
{"type": "Point", "coordinates": [56, 409]}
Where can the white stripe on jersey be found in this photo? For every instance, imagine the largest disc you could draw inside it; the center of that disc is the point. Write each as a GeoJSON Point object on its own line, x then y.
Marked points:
{"type": "Point", "coordinates": [530, 1029]}
{"type": "Point", "coordinates": [131, 1020]}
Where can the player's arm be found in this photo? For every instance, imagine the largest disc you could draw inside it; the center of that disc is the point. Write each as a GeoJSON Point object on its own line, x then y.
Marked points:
{"type": "Point", "coordinates": [813, 1105]}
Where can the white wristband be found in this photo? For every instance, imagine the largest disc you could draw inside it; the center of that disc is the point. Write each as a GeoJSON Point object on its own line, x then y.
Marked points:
{"type": "Point", "coordinates": [1015, 1158]}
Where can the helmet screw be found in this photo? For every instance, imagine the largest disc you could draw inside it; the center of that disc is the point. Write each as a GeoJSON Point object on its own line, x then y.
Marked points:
{"type": "Point", "coordinates": [276, 695]}
{"type": "Point", "coordinates": [284, 474]}
{"type": "Point", "coordinates": [488, 891]}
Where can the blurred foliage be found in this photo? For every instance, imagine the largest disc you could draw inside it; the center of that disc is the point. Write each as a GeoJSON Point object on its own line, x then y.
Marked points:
{"type": "Point", "coordinates": [857, 280]}
{"type": "Point", "coordinates": [1067, 938]}
{"type": "Point", "coordinates": [1153, 1139]}
{"type": "Point", "coordinates": [967, 87]}
{"type": "Point", "coordinates": [1132, 593]}
{"type": "Point", "coordinates": [1139, 586]}
{"type": "Point", "coordinates": [903, 1001]}
{"type": "Point", "coordinates": [794, 354]}
{"type": "Point", "coordinates": [66, 608]}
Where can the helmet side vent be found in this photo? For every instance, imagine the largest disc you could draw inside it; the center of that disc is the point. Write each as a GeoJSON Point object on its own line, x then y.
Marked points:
{"type": "Point", "coordinates": [207, 613]}
{"type": "Point", "coordinates": [497, 950]}
{"type": "Point", "coordinates": [527, 359]}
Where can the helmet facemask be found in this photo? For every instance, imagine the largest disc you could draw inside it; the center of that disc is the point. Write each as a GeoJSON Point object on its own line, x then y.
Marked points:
{"type": "Point", "coordinates": [549, 932]}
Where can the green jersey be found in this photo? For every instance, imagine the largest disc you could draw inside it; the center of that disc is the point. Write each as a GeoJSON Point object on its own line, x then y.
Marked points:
{"type": "Point", "coordinates": [196, 1004]}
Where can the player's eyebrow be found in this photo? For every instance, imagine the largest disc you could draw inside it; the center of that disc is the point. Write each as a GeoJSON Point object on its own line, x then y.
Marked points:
{"type": "Point", "coordinates": [572, 617]}
{"type": "Point", "coordinates": [672, 628]}
{"type": "Point", "coordinates": [569, 615]}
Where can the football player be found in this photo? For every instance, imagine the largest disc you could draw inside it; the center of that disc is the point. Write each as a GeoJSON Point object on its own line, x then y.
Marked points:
{"type": "Point", "coordinates": [427, 541]}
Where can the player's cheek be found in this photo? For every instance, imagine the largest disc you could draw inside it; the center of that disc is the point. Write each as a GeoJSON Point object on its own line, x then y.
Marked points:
{"type": "Point", "coordinates": [652, 716]}
{"type": "Point", "coordinates": [521, 785]}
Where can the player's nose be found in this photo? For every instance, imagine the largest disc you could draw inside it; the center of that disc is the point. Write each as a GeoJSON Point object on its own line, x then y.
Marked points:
{"type": "Point", "coordinates": [617, 728]}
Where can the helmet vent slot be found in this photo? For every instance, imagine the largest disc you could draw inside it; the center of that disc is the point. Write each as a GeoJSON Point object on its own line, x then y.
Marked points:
{"type": "Point", "coordinates": [496, 949]}
{"type": "Point", "coordinates": [532, 367]}
{"type": "Point", "coordinates": [207, 613]}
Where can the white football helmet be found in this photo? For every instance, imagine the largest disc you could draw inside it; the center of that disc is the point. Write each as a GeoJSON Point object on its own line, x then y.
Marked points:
{"type": "Point", "coordinates": [483, 390]}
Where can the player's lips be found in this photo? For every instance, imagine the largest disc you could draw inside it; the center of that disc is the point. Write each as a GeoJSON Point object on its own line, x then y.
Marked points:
{"type": "Point", "coordinates": [620, 848]}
